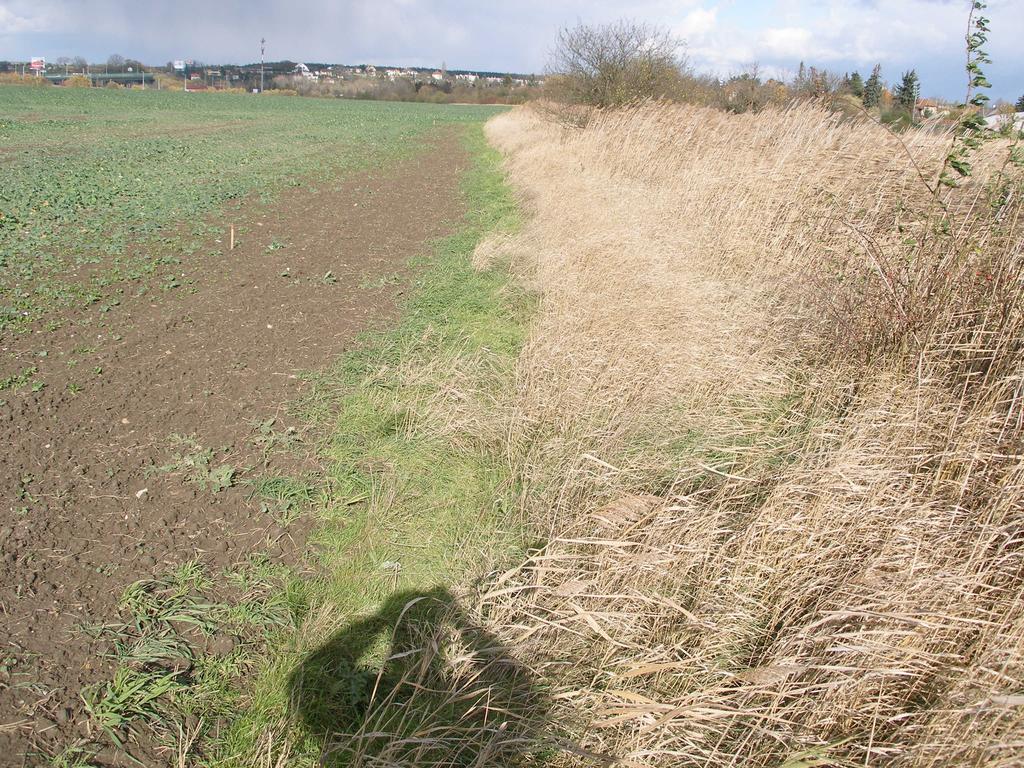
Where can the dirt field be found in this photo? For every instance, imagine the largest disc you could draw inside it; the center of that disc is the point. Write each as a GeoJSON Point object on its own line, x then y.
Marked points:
{"type": "Point", "coordinates": [146, 466]}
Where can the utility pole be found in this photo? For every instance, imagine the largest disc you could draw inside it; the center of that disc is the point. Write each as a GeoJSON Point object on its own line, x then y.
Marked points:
{"type": "Point", "coordinates": [263, 44]}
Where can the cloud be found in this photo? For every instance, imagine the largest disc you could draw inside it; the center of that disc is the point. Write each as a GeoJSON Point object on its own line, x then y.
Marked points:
{"type": "Point", "coordinates": [15, 20]}
{"type": "Point", "coordinates": [728, 36]}
{"type": "Point", "coordinates": [698, 23]}
{"type": "Point", "coordinates": [788, 43]}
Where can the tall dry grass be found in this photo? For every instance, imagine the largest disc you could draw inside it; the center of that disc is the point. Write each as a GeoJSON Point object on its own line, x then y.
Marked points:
{"type": "Point", "coordinates": [769, 418]}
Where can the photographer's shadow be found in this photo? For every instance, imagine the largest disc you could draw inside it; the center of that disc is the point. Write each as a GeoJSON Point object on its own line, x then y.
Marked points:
{"type": "Point", "coordinates": [442, 691]}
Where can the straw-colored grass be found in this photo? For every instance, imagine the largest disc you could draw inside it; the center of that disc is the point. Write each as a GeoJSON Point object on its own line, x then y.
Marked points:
{"type": "Point", "coordinates": [769, 419]}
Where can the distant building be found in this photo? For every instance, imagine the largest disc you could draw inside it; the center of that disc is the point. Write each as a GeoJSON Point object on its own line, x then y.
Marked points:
{"type": "Point", "coordinates": [1000, 120]}
{"type": "Point", "coordinates": [931, 108]}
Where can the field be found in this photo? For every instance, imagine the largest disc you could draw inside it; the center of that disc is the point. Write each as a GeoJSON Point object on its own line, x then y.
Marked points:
{"type": "Point", "coordinates": [667, 437]}
{"type": "Point", "coordinates": [88, 179]}
{"type": "Point", "coordinates": [167, 397]}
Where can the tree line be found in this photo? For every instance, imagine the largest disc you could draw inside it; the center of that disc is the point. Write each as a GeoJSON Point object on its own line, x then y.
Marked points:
{"type": "Point", "coordinates": [623, 62]}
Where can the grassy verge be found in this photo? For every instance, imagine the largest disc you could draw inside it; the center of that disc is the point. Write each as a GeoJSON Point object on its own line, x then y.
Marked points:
{"type": "Point", "coordinates": [411, 506]}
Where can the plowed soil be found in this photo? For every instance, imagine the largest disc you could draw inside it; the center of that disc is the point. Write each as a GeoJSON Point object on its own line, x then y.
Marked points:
{"type": "Point", "coordinates": [86, 510]}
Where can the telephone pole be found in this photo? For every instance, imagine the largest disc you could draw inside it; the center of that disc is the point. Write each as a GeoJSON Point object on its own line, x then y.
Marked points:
{"type": "Point", "coordinates": [263, 44]}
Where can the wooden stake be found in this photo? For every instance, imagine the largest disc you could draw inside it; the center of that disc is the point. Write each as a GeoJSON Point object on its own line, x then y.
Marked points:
{"type": "Point", "coordinates": [232, 238]}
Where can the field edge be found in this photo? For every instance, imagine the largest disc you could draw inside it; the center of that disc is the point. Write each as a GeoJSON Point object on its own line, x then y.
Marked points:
{"type": "Point", "coordinates": [398, 467]}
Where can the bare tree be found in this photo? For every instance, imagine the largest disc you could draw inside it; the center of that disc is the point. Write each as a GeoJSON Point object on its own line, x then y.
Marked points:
{"type": "Point", "coordinates": [115, 62]}
{"type": "Point", "coordinates": [613, 64]}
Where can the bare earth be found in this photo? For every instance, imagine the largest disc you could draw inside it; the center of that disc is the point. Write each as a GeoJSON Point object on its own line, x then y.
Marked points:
{"type": "Point", "coordinates": [75, 527]}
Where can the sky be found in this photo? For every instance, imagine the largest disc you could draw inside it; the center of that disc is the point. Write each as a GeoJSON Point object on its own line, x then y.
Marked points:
{"type": "Point", "coordinates": [722, 37]}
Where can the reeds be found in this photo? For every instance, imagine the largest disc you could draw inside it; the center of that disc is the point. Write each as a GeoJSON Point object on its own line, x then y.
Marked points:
{"type": "Point", "coordinates": [769, 417]}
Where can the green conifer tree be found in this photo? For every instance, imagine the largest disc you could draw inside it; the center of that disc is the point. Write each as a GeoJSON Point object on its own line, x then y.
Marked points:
{"type": "Point", "coordinates": [856, 85]}
{"type": "Point", "coordinates": [907, 91]}
{"type": "Point", "coordinates": [873, 88]}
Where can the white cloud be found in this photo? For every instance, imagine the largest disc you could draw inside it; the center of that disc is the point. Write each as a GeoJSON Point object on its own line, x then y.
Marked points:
{"type": "Point", "coordinates": [16, 19]}
{"type": "Point", "coordinates": [698, 23]}
{"type": "Point", "coordinates": [786, 42]}
{"type": "Point", "coordinates": [727, 36]}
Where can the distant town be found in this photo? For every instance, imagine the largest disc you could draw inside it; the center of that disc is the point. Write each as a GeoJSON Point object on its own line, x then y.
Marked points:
{"type": "Point", "coordinates": [897, 104]}
{"type": "Point", "coordinates": [305, 78]}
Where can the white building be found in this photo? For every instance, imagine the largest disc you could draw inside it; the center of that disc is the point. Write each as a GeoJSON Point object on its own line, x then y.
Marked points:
{"type": "Point", "coordinates": [997, 122]}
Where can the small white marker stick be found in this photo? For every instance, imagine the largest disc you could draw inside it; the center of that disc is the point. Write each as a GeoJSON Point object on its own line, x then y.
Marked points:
{"type": "Point", "coordinates": [232, 247]}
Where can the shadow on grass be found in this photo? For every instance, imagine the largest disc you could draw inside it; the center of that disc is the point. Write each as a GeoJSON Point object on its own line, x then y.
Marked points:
{"type": "Point", "coordinates": [447, 692]}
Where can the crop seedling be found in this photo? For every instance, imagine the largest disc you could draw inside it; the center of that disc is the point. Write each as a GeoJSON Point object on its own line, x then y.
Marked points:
{"type": "Point", "coordinates": [18, 380]}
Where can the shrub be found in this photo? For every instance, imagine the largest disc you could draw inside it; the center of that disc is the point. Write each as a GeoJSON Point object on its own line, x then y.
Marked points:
{"type": "Point", "coordinates": [615, 64]}
{"type": "Point", "coordinates": [13, 78]}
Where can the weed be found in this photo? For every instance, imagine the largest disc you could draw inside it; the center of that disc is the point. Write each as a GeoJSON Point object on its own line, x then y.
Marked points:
{"type": "Point", "coordinates": [284, 497]}
{"type": "Point", "coordinates": [268, 439]}
{"type": "Point", "coordinates": [376, 283]}
{"type": "Point", "coordinates": [131, 695]}
{"type": "Point", "coordinates": [270, 597]}
{"type": "Point", "coordinates": [78, 755]}
{"type": "Point", "coordinates": [196, 464]}
{"type": "Point", "coordinates": [155, 605]}
{"type": "Point", "coordinates": [156, 659]}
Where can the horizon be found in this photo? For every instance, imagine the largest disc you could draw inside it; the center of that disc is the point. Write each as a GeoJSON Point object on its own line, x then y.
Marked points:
{"type": "Point", "coordinates": [721, 38]}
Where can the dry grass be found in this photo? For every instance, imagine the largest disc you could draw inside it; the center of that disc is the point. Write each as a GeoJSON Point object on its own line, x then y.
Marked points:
{"type": "Point", "coordinates": [770, 418]}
